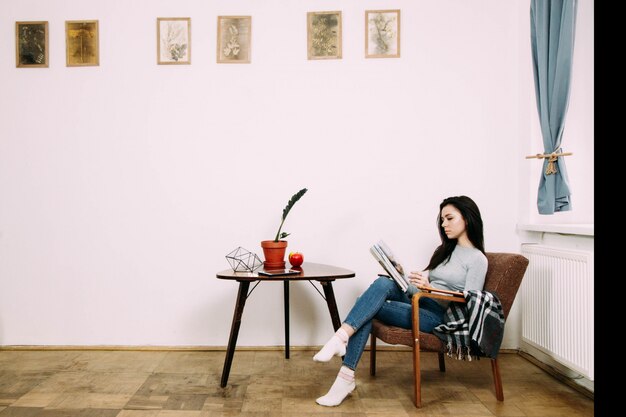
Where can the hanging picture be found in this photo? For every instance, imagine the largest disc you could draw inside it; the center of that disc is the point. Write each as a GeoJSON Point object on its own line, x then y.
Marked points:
{"type": "Point", "coordinates": [81, 43]}
{"type": "Point", "coordinates": [31, 44]}
{"type": "Point", "coordinates": [233, 39]}
{"type": "Point", "coordinates": [174, 40]}
{"type": "Point", "coordinates": [382, 33]}
{"type": "Point", "coordinates": [324, 35]}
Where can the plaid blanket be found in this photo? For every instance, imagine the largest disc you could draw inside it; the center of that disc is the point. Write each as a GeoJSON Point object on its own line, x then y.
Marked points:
{"type": "Point", "coordinates": [473, 329]}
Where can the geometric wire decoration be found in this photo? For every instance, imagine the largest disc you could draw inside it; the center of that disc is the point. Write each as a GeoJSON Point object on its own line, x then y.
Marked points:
{"type": "Point", "coordinates": [242, 259]}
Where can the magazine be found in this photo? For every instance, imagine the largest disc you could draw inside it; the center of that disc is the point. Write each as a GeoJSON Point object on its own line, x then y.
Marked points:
{"type": "Point", "coordinates": [388, 261]}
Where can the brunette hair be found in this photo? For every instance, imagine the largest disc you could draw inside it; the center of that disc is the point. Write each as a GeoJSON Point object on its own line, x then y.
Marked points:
{"type": "Point", "coordinates": [473, 223]}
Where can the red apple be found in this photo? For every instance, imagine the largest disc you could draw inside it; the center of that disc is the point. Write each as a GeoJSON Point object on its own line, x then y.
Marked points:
{"type": "Point", "coordinates": [296, 258]}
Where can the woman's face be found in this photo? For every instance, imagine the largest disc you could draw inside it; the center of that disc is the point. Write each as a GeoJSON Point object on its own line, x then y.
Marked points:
{"type": "Point", "coordinates": [452, 222]}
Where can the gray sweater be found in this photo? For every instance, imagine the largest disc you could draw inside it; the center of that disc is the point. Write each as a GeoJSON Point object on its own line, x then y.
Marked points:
{"type": "Point", "coordinates": [465, 270]}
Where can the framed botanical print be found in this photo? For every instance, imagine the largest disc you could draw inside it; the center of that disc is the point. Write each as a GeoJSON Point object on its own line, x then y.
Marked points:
{"type": "Point", "coordinates": [173, 40]}
{"type": "Point", "coordinates": [233, 39]}
{"type": "Point", "coordinates": [81, 43]}
{"type": "Point", "coordinates": [382, 33]}
{"type": "Point", "coordinates": [31, 44]}
{"type": "Point", "coordinates": [324, 35]}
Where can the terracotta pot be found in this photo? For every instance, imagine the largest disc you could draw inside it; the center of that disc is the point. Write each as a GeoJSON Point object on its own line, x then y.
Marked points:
{"type": "Point", "coordinates": [274, 253]}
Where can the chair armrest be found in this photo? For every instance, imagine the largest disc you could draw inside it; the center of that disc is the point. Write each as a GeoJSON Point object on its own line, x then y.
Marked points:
{"type": "Point", "coordinates": [438, 290]}
{"type": "Point", "coordinates": [418, 295]}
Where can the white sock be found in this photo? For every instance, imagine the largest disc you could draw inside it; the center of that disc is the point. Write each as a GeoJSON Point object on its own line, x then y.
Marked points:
{"type": "Point", "coordinates": [335, 346]}
{"type": "Point", "coordinates": [344, 384]}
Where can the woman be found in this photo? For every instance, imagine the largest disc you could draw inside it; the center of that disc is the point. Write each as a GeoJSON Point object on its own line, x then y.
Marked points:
{"type": "Point", "coordinates": [458, 264]}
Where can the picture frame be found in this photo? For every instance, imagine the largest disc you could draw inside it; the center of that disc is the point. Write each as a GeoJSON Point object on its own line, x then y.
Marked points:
{"type": "Point", "coordinates": [382, 33]}
{"type": "Point", "coordinates": [324, 36]}
{"type": "Point", "coordinates": [81, 43]}
{"type": "Point", "coordinates": [234, 35]}
{"type": "Point", "coordinates": [173, 40]}
{"type": "Point", "coordinates": [31, 44]}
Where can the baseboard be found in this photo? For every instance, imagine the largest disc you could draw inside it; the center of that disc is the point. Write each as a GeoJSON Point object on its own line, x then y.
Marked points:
{"type": "Point", "coordinates": [152, 348]}
{"type": "Point", "coordinates": [379, 348]}
{"type": "Point", "coordinates": [139, 348]}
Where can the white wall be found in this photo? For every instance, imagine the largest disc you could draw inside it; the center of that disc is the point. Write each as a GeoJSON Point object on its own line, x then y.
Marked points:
{"type": "Point", "coordinates": [123, 186]}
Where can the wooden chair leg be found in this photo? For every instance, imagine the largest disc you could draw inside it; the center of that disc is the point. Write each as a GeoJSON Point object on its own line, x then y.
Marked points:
{"type": "Point", "coordinates": [373, 355]}
{"type": "Point", "coordinates": [497, 380]}
{"type": "Point", "coordinates": [417, 373]}
{"type": "Point", "coordinates": [442, 362]}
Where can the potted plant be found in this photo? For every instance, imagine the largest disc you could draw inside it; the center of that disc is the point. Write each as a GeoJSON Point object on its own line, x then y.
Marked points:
{"type": "Point", "coordinates": [274, 250]}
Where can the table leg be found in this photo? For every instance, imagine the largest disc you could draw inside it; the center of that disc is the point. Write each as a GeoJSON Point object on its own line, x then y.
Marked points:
{"type": "Point", "coordinates": [332, 304]}
{"type": "Point", "coordinates": [234, 330]}
{"type": "Point", "coordinates": [286, 301]}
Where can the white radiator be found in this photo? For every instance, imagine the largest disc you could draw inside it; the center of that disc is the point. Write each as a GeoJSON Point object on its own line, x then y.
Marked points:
{"type": "Point", "coordinates": [557, 309]}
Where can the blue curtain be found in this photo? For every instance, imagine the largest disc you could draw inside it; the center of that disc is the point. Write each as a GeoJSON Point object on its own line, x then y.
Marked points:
{"type": "Point", "coordinates": [552, 24]}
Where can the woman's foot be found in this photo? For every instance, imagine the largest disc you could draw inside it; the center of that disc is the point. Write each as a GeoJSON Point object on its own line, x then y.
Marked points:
{"type": "Point", "coordinates": [344, 384]}
{"type": "Point", "coordinates": [336, 346]}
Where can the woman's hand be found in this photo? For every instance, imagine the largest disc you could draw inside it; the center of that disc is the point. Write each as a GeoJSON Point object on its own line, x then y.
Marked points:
{"type": "Point", "coordinates": [419, 278]}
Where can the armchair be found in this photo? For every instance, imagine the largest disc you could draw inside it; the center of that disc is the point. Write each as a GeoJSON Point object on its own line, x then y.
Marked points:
{"type": "Point", "coordinates": [504, 276]}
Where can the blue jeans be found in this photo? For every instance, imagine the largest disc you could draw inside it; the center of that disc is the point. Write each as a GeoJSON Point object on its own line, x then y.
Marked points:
{"type": "Point", "coordinates": [386, 302]}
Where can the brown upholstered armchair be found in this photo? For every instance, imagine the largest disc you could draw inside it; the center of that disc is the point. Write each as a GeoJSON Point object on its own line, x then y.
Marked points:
{"type": "Point", "coordinates": [504, 276]}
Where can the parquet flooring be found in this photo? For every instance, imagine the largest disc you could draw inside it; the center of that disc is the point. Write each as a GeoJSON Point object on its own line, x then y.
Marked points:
{"type": "Point", "coordinates": [85, 383]}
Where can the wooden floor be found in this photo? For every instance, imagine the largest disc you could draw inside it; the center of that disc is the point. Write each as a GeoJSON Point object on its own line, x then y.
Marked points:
{"type": "Point", "coordinates": [263, 383]}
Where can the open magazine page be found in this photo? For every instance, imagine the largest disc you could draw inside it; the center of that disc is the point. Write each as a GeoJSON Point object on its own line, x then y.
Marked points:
{"type": "Point", "coordinates": [387, 260]}
{"type": "Point", "coordinates": [388, 267]}
{"type": "Point", "coordinates": [383, 246]}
